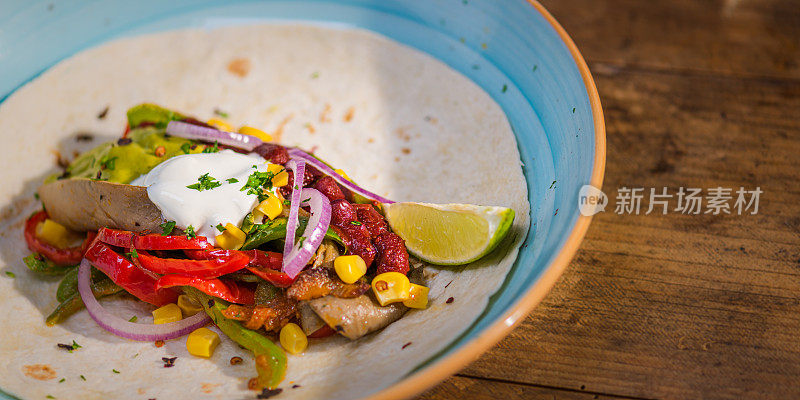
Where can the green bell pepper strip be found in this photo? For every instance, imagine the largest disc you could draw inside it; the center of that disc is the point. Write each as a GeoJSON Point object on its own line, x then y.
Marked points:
{"type": "Point", "coordinates": [69, 284]}
{"type": "Point", "coordinates": [42, 265]}
{"type": "Point", "coordinates": [276, 230]}
{"type": "Point", "coordinates": [270, 358]}
{"type": "Point", "coordinates": [74, 303]}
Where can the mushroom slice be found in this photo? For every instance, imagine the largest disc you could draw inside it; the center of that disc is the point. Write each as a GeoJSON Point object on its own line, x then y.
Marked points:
{"type": "Point", "coordinates": [356, 317]}
{"type": "Point", "coordinates": [87, 205]}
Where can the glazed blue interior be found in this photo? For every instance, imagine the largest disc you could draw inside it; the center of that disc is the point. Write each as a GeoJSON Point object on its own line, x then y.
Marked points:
{"type": "Point", "coordinates": [506, 47]}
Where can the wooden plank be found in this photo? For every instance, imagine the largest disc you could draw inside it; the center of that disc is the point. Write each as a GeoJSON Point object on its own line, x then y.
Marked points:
{"type": "Point", "coordinates": [739, 37]}
{"type": "Point", "coordinates": [459, 387]}
{"type": "Point", "coordinates": [679, 306]}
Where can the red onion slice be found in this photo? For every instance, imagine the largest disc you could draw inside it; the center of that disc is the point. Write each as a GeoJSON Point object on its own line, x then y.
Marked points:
{"type": "Point", "coordinates": [318, 224]}
{"type": "Point", "coordinates": [300, 154]}
{"type": "Point", "coordinates": [190, 131]}
{"type": "Point", "coordinates": [130, 330]}
{"type": "Point", "coordinates": [298, 167]}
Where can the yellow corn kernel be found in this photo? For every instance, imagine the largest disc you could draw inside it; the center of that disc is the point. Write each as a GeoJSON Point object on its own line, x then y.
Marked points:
{"type": "Point", "coordinates": [271, 207]}
{"type": "Point", "coordinates": [340, 172]}
{"type": "Point", "coordinates": [293, 339]}
{"type": "Point", "coordinates": [391, 287]}
{"type": "Point", "coordinates": [281, 176]}
{"type": "Point", "coordinates": [232, 238]}
{"type": "Point", "coordinates": [249, 130]}
{"type": "Point", "coordinates": [188, 305]}
{"type": "Point", "coordinates": [220, 124]}
{"type": "Point", "coordinates": [202, 342]}
{"type": "Point", "coordinates": [350, 268]}
{"type": "Point", "coordinates": [166, 314]}
{"type": "Point", "coordinates": [417, 297]}
{"type": "Point", "coordinates": [56, 234]}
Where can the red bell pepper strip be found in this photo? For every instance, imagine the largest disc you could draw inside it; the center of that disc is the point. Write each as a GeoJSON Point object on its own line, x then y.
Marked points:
{"type": "Point", "coordinates": [172, 242]}
{"type": "Point", "coordinates": [129, 239]}
{"type": "Point", "coordinates": [204, 269]}
{"type": "Point", "coordinates": [264, 264]}
{"type": "Point", "coordinates": [265, 259]}
{"type": "Point", "coordinates": [128, 276]}
{"type": "Point", "coordinates": [225, 290]}
{"type": "Point", "coordinates": [277, 278]}
{"type": "Point", "coordinates": [115, 237]}
{"type": "Point", "coordinates": [212, 254]}
{"type": "Point", "coordinates": [61, 257]}
{"type": "Point", "coordinates": [267, 265]}
{"type": "Point", "coordinates": [323, 332]}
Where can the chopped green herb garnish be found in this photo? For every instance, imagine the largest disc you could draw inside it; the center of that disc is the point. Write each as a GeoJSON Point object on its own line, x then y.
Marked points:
{"type": "Point", "coordinates": [167, 228]}
{"type": "Point", "coordinates": [232, 180]}
{"type": "Point", "coordinates": [10, 274]}
{"type": "Point", "coordinates": [132, 254]}
{"type": "Point", "coordinates": [552, 184]}
{"type": "Point", "coordinates": [62, 380]}
{"type": "Point", "coordinates": [287, 202]}
{"type": "Point", "coordinates": [212, 149]}
{"type": "Point", "coordinates": [257, 182]}
{"type": "Point", "coordinates": [220, 228]}
{"type": "Point", "coordinates": [36, 196]}
{"type": "Point", "coordinates": [356, 223]}
{"type": "Point", "coordinates": [221, 113]}
{"type": "Point", "coordinates": [108, 163]}
{"type": "Point", "coordinates": [315, 75]}
{"type": "Point", "coordinates": [205, 182]}
{"type": "Point", "coordinates": [114, 371]}
{"type": "Point", "coordinates": [535, 67]}
{"type": "Point", "coordinates": [300, 242]}
{"type": "Point", "coordinates": [505, 87]}
{"type": "Point", "coordinates": [83, 377]}
{"type": "Point", "coordinates": [49, 397]}
{"type": "Point", "coordinates": [190, 232]}
{"type": "Point", "coordinates": [186, 148]}
{"type": "Point", "coordinates": [75, 345]}
{"type": "Point", "coordinates": [133, 319]}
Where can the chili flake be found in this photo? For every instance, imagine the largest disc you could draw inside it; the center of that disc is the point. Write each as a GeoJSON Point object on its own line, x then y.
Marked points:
{"type": "Point", "coordinates": [169, 362]}
{"type": "Point", "coordinates": [267, 393]}
{"type": "Point", "coordinates": [236, 360]}
{"type": "Point", "coordinates": [450, 300]}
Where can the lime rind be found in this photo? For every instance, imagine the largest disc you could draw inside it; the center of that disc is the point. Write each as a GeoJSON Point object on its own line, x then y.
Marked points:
{"type": "Point", "coordinates": [498, 222]}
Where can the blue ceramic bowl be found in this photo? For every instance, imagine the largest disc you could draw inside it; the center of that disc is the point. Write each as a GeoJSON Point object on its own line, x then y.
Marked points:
{"type": "Point", "coordinates": [513, 49]}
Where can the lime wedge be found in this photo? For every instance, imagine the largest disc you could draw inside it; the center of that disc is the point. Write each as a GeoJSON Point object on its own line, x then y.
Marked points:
{"type": "Point", "coordinates": [449, 234]}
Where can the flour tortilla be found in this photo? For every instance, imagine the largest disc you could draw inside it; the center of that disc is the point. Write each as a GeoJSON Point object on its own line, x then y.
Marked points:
{"type": "Point", "coordinates": [417, 131]}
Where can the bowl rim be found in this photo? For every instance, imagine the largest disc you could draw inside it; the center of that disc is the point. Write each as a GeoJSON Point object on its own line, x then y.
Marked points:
{"type": "Point", "coordinates": [427, 377]}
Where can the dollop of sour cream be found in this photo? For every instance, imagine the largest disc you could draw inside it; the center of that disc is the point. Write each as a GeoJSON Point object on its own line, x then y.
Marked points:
{"type": "Point", "coordinates": [176, 187]}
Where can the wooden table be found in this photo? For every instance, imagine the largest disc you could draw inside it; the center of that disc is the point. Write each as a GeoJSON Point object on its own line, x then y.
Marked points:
{"type": "Point", "coordinates": [699, 94]}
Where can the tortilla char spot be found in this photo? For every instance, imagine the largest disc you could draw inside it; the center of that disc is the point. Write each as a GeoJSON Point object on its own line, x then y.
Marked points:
{"type": "Point", "coordinates": [348, 116]}
{"type": "Point", "coordinates": [239, 67]}
{"type": "Point", "coordinates": [279, 130]}
{"type": "Point", "coordinates": [41, 372]}
{"type": "Point", "coordinates": [325, 115]}
{"type": "Point", "coordinates": [402, 133]}
{"type": "Point", "coordinates": [406, 150]}
{"type": "Point", "coordinates": [208, 387]}
{"type": "Point", "coordinates": [140, 391]}
{"type": "Point", "coordinates": [370, 140]}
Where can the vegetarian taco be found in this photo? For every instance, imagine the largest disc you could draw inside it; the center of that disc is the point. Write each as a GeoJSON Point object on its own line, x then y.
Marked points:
{"type": "Point", "coordinates": [229, 243]}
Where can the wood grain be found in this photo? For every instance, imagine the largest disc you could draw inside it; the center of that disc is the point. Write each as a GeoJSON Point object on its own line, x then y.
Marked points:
{"type": "Point", "coordinates": [696, 94]}
{"type": "Point", "coordinates": [738, 37]}
{"type": "Point", "coordinates": [487, 389]}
